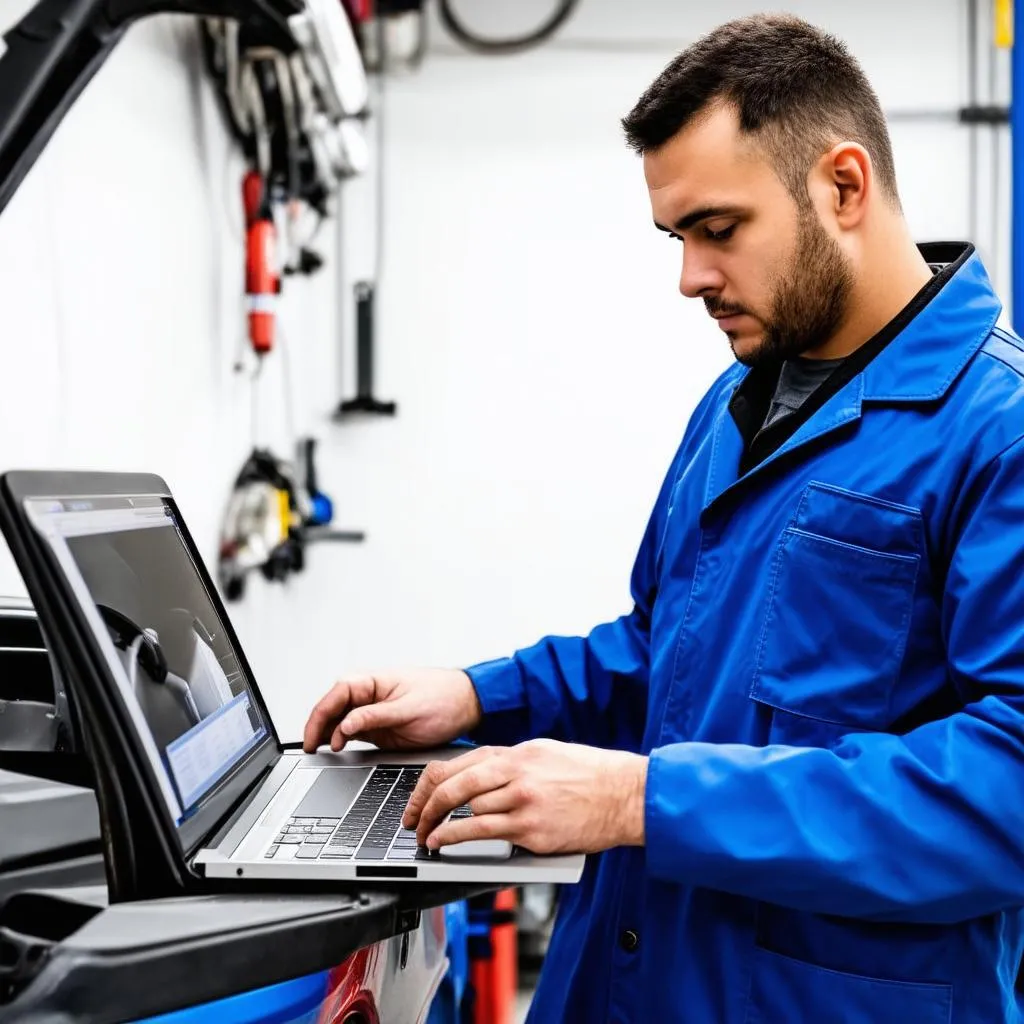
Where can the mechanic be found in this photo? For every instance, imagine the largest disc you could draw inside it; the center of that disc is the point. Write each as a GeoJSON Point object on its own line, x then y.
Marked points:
{"type": "Point", "coordinates": [799, 759]}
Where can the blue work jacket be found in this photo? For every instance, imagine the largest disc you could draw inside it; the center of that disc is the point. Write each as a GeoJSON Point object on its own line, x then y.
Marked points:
{"type": "Point", "coordinates": [825, 665]}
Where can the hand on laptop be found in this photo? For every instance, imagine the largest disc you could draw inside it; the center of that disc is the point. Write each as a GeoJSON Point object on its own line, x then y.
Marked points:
{"type": "Point", "coordinates": [545, 796]}
{"type": "Point", "coordinates": [396, 711]}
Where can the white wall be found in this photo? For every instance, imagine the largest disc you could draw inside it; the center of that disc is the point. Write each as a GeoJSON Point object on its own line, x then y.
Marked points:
{"type": "Point", "coordinates": [531, 332]}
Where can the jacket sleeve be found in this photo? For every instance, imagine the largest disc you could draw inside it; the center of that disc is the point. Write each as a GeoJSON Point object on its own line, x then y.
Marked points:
{"type": "Point", "coordinates": [583, 689]}
{"type": "Point", "coordinates": [923, 827]}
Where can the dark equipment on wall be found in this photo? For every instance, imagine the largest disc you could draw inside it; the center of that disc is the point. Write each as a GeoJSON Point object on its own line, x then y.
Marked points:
{"type": "Point", "coordinates": [294, 107]}
{"type": "Point", "coordinates": [297, 113]}
{"type": "Point", "coordinates": [274, 513]}
{"type": "Point", "coordinates": [299, 123]}
{"type": "Point", "coordinates": [365, 401]}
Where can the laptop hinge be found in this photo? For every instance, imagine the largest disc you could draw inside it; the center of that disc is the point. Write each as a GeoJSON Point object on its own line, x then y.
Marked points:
{"type": "Point", "coordinates": [225, 824]}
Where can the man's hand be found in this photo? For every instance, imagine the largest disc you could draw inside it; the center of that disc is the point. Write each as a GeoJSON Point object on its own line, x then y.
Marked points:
{"type": "Point", "coordinates": [397, 711]}
{"type": "Point", "coordinates": [545, 796]}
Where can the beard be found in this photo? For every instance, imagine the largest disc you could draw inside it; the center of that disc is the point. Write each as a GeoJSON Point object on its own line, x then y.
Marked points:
{"type": "Point", "coordinates": [810, 300]}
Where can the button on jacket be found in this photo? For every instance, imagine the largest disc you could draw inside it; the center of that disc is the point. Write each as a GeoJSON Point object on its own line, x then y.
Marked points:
{"type": "Point", "coordinates": [825, 665]}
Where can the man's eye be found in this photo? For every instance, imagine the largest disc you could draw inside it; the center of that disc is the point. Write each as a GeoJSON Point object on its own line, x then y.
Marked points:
{"type": "Point", "coordinates": [720, 236]}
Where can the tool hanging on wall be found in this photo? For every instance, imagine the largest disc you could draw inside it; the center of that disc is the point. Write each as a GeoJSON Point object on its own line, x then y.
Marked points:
{"type": "Point", "coordinates": [310, 92]}
{"type": "Point", "coordinates": [295, 108]}
{"type": "Point", "coordinates": [274, 513]}
{"type": "Point", "coordinates": [365, 401]}
{"type": "Point", "coordinates": [262, 280]}
{"type": "Point", "coordinates": [298, 116]}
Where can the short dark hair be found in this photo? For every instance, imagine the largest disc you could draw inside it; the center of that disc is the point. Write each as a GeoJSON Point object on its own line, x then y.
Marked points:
{"type": "Point", "coordinates": [796, 88]}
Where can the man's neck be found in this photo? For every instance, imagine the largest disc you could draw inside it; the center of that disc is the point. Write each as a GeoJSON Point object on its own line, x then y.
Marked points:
{"type": "Point", "coordinates": [884, 287]}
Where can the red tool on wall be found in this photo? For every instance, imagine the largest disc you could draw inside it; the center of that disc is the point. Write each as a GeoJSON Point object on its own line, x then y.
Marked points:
{"type": "Point", "coordinates": [262, 278]}
{"type": "Point", "coordinates": [359, 11]}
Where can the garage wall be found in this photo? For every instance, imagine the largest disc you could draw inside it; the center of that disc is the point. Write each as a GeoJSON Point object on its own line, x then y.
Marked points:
{"type": "Point", "coordinates": [530, 329]}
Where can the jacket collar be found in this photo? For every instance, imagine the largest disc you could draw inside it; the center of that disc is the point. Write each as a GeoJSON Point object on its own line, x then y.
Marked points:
{"type": "Point", "coordinates": [924, 359]}
{"type": "Point", "coordinates": [919, 364]}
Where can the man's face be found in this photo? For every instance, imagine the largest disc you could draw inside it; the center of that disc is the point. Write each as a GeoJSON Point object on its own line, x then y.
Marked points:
{"type": "Point", "coordinates": [777, 283]}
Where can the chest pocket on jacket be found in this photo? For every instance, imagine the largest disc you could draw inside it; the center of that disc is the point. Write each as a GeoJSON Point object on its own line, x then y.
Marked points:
{"type": "Point", "coordinates": [838, 613]}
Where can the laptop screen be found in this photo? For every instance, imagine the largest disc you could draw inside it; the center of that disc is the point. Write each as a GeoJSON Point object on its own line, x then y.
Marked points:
{"type": "Point", "coordinates": [180, 675]}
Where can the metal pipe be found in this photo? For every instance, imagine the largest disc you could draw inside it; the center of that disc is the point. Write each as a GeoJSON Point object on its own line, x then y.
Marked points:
{"type": "Point", "coordinates": [995, 250]}
{"type": "Point", "coordinates": [972, 101]}
{"type": "Point", "coordinates": [1017, 180]}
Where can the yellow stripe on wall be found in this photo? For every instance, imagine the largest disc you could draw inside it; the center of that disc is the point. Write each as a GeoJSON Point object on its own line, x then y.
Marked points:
{"type": "Point", "coordinates": [1004, 23]}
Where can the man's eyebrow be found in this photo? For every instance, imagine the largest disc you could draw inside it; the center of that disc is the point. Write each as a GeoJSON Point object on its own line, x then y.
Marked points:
{"type": "Point", "coordinates": [696, 216]}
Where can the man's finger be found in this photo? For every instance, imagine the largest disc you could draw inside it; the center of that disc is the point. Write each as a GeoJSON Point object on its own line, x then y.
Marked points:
{"type": "Point", "coordinates": [373, 716]}
{"type": "Point", "coordinates": [324, 718]}
{"type": "Point", "coordinates": [487, 826]}
{"type": "Point", "coordinates": [488, 775]}
{"type": "Point", "coordinates": [433, 775]}
{"type": "Point", "coordinates": [338, 739]}
{"type": "Point", "coordinates": [322, 714]}
{"type": "Point", "coordinates": [497, 801]}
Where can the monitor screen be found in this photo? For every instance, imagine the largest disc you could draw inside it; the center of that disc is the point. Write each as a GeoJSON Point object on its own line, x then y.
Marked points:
{"type": "Point", "coordinates": [180, 675]}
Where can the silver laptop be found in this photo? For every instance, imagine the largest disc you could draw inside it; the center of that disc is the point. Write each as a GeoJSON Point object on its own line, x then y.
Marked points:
{"type": "Point", "coordinates": [241, 805]}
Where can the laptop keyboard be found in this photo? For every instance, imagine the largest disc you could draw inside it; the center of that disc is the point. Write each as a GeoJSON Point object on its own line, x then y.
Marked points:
{"type": "Point", "coordinates": [371, 830]}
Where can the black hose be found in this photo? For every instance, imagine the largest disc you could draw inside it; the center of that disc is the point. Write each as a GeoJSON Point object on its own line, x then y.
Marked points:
{"type": "Point", "coordinates": [514, 44]}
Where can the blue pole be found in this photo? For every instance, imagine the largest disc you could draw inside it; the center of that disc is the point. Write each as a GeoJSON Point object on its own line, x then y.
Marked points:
{"type": "Point", "coordinates": [1017, 161]}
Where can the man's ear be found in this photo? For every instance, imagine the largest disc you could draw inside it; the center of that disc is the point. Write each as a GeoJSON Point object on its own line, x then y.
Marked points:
{"type": "Point", "coordinates": [847, 171]}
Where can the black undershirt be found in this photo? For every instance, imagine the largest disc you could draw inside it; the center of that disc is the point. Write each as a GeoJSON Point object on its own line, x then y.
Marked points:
{"type": "Point", "coordinates": [753, 400]}
{"type": "Point", "coordinates": [799, 378]}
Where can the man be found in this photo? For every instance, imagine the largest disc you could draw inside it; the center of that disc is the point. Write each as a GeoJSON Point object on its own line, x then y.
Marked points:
{"type": "Point", "coordinates": [804, 758]}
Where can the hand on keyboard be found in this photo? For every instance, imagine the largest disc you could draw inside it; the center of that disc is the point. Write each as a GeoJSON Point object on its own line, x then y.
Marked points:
{"type": "Point", "coordinates": [395, 711]}
{"type": "Point", "coordinates": [542, 795]}
{"type": "Point", "coordinates": [372, 827]}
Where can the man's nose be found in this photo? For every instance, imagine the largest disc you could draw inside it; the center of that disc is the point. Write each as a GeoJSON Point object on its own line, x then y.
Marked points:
{"type": "Point", "coordinates": [699, 277]}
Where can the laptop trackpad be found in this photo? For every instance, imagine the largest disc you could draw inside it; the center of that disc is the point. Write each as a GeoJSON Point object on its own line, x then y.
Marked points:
{"type": "Point", "coordinates": [333, 793]}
